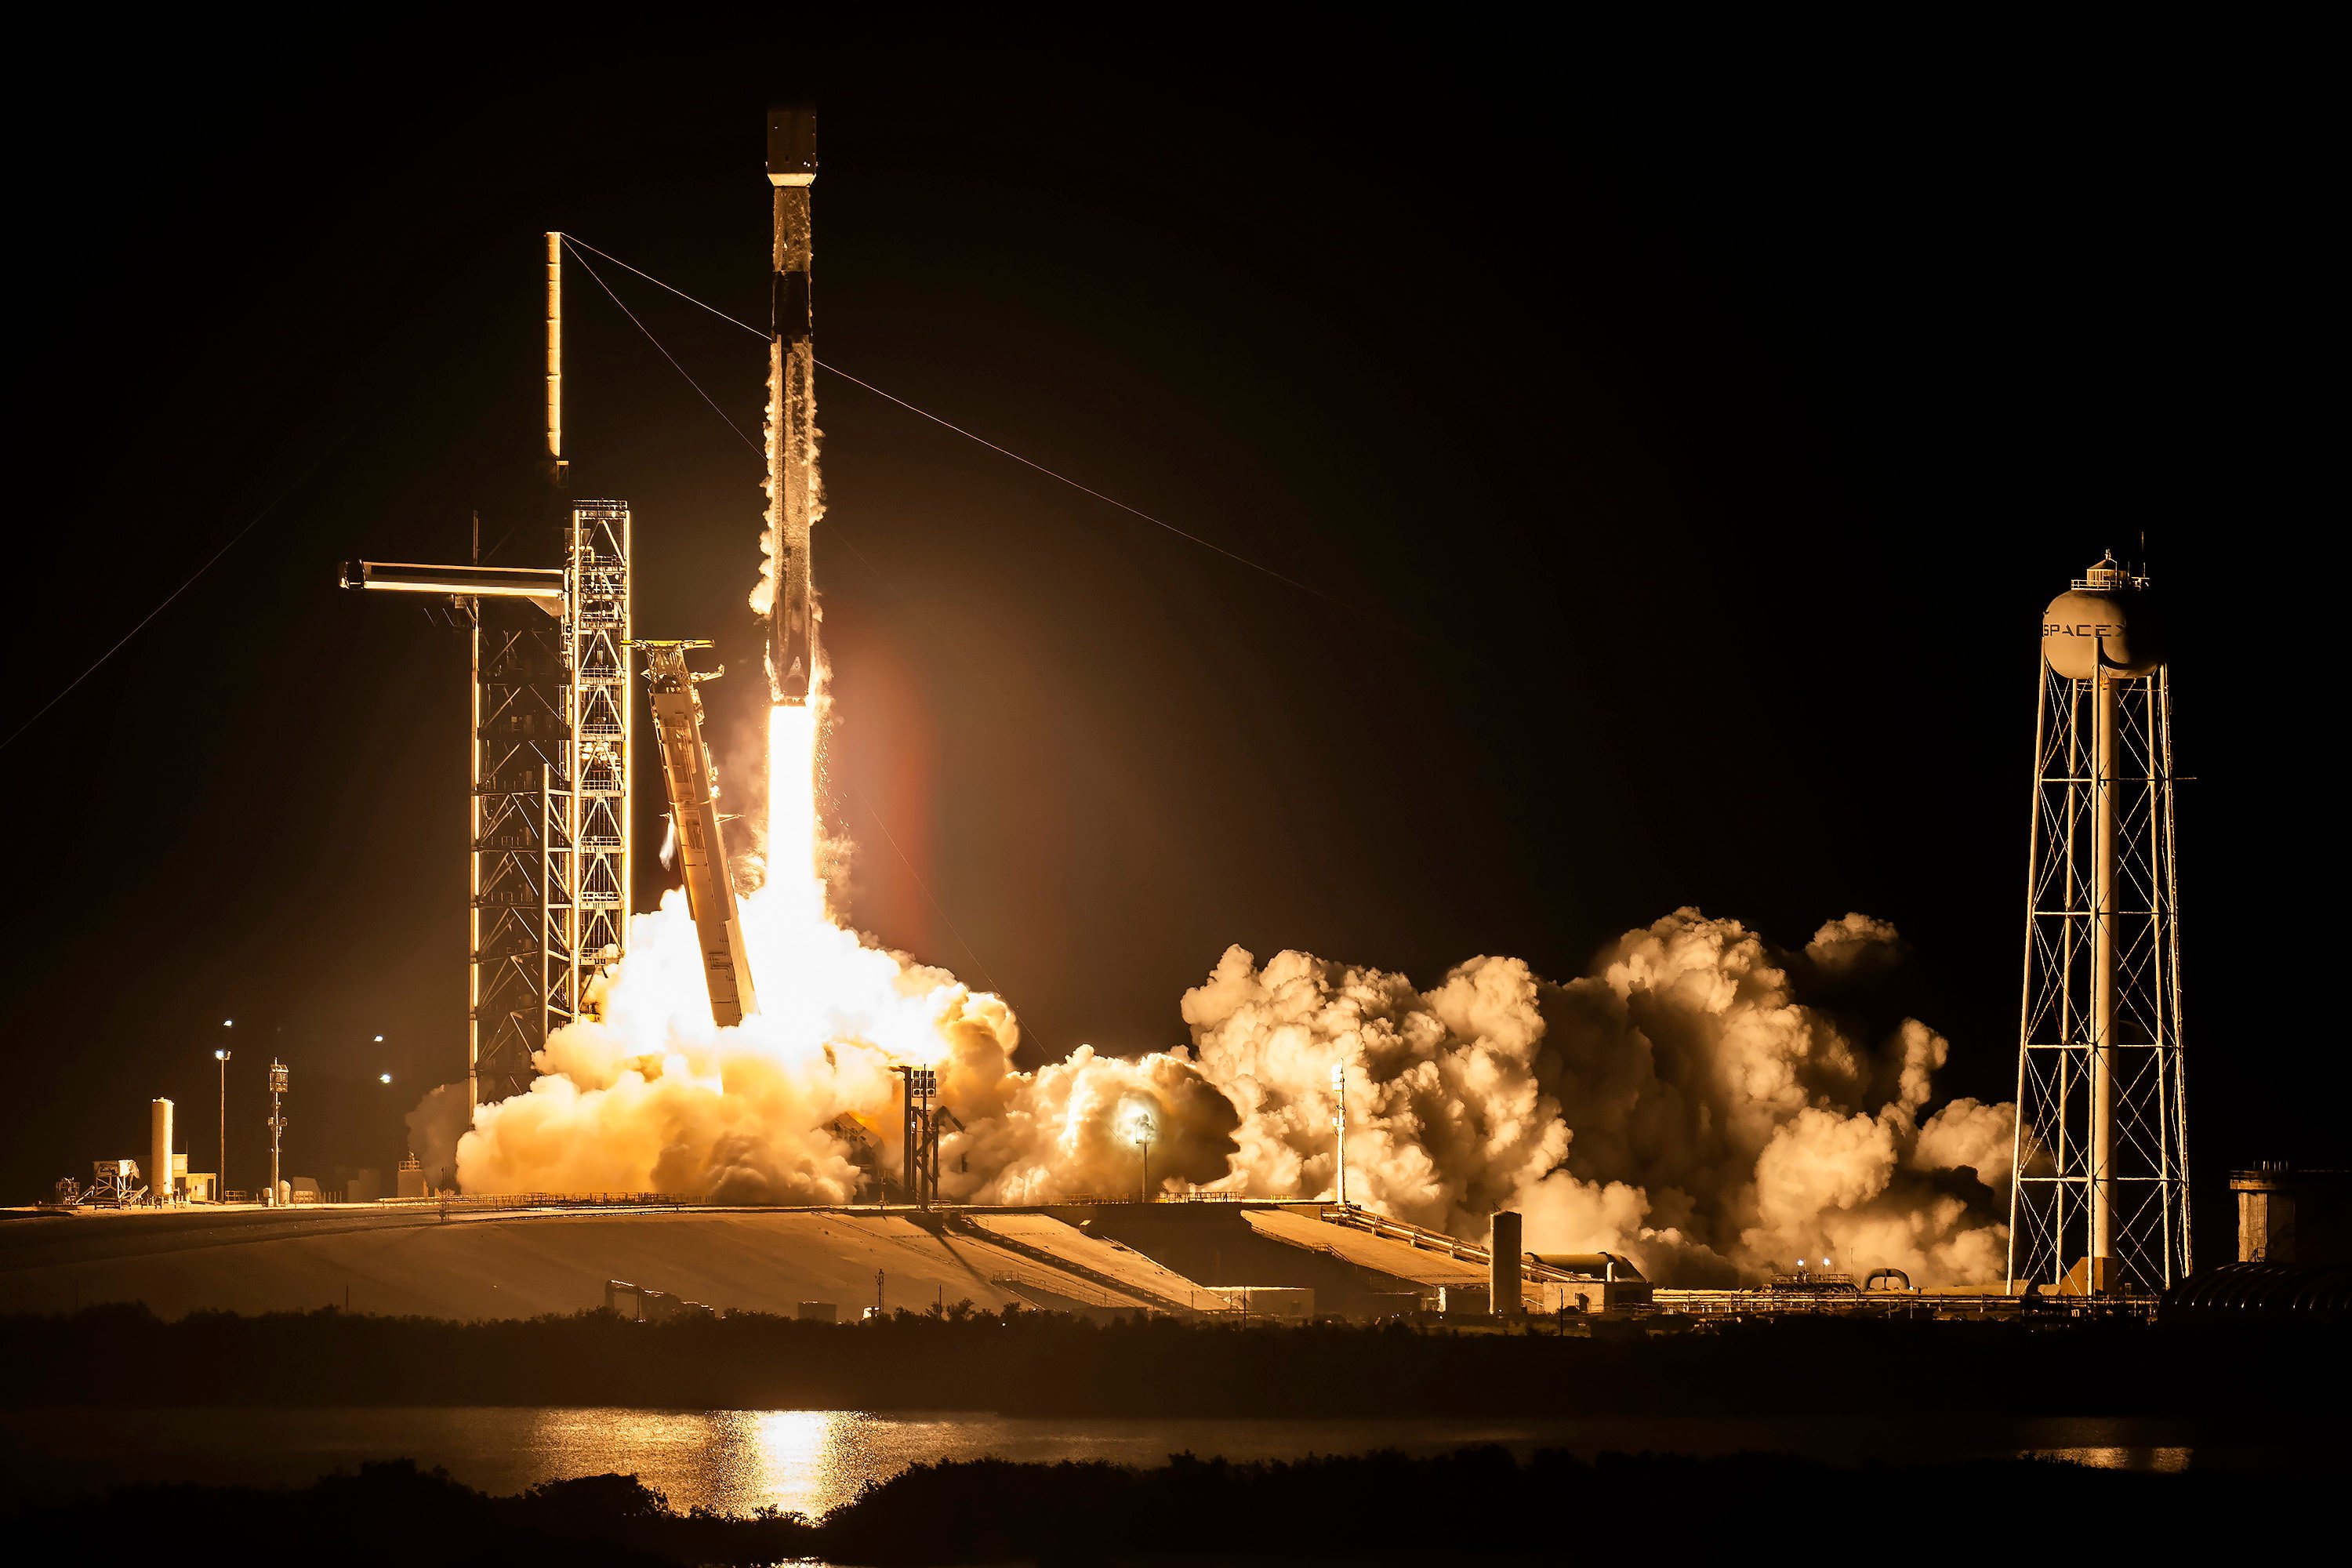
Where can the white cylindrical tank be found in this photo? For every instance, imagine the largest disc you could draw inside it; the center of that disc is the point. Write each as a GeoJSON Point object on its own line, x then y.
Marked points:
{"type": "Point", "coordinates": [159, 1151]}
{"type": "Point", "coordinates": [2104, 621]}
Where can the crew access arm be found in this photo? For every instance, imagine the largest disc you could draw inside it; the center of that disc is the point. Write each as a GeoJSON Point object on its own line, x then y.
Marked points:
{"type": "Point", "coordinates": [701, 847]}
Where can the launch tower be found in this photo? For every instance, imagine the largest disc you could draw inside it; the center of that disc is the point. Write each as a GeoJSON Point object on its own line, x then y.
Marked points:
{"type": "Point", "coordinates": [549, 821]}
{"type": "Point", "coordinates": [2101, 1200]}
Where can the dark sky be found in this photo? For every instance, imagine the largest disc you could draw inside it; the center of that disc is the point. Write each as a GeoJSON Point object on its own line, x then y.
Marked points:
{"type": "Point", "coordinates": [1697, 438]}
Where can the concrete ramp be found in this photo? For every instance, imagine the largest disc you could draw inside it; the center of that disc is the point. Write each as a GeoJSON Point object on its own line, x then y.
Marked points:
{"type": "Point", "coordinates": [516, 1264]}
{"type": "Point", "coordinates": [1113, 1264]}
{"type": "Point", "coordinates": [1427, 1267]}
{"type": "Point", "coordinates": [1019, 1274]}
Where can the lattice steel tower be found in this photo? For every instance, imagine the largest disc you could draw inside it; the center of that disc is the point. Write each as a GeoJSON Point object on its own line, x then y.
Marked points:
{"type": "Point", "coordinates": [2101, 1202]}
{"type": "Point", "coordinates": [552, 720]}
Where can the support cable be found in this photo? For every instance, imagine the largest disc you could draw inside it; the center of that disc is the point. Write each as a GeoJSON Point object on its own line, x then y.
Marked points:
{"type": "Point", "coordinates": [1234, 556]}
{"type": "Point", "coordinates": [583, 244]}
{"type": "Point", "coordinates": [664, 353]}
{"type": "Point", "coordinates": [1108, 500]}
{"type": "Point", "coordinates": [251, 524]}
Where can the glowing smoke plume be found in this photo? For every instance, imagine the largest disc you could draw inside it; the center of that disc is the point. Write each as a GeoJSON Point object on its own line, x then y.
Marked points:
{"type": "Point", "coordinates": [653, 1096]}
{"type": "Point", "coordinates": [1679, 1105]}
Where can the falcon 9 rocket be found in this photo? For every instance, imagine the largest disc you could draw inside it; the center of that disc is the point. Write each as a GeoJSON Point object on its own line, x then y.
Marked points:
{"type": "Point", "coordinates": [792, 485]}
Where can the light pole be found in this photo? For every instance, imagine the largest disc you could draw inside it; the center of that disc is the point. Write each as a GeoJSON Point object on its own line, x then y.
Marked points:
{"type": "Point", "coordinates": [1339, 1125]}
{"type": "Point", "coordinates": [220, 1182]}
{"type": "Point", "coordinates": [1140, 1129]}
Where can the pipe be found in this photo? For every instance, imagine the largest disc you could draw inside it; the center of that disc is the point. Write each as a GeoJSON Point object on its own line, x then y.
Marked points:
{"type": "Point", "coordinates": [2103, 981]}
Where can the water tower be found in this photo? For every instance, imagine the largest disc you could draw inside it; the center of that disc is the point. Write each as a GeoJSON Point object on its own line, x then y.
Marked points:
{"type": "Point", "coordinates": [2101, 1203]}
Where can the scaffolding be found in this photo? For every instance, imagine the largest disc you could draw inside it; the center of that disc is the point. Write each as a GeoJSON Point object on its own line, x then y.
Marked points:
{"type": "Point", "coordinates": [553, 733]}
{"type": "Point", "coordinates": [585, 804]}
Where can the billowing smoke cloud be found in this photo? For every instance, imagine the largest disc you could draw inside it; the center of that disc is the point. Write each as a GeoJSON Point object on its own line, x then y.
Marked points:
{"type": "Point", "coordinates": [784, 1108]}
{"type": "Point", "coordinates": [1679, 1104]}
{"type": "Point", "coordinates": [434, 1129]}
{"type": "Point", "coordinates": [1448, 1121]}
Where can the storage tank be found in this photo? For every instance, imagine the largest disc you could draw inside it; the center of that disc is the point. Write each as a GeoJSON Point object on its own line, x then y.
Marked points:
{"type": "Point", "coordinates": [2104, 622]}
{"type": "Point", "coordinates": [1503, 1243]}
{"type": "Point", "coordinates": [159, 1151]}
{"type": "Point", "coordinates": [2100, 1199]}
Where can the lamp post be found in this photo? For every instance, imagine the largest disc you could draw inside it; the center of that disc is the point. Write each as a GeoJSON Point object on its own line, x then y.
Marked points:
{"type": "Point", "coordinates": [1140, 1129]}
{"type": "Point", "coordinates": [1340, 1126]}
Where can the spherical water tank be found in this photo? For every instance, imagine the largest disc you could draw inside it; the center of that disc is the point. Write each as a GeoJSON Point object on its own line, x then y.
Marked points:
{"type": "Point", "coordinates": [2105, 620]}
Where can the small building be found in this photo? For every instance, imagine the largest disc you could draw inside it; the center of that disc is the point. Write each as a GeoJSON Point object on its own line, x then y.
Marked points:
{"type": "Point", "coordinates": [2290, 1216]}
{"type": "Point", "coordinates": [1465, 1301]}
{"type": "Point", "coordinates": [1288, 1302]}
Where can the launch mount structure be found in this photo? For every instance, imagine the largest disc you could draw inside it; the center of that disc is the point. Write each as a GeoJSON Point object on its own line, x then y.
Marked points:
{"type": "Point", "coordinates": [551, 737]}
{"type": "Point", "coordinates": [693, 785]}
{"type": "Point", "coordinates": [920, 1120]}
{"type": "Point", "coordinates": [2100, 1203]}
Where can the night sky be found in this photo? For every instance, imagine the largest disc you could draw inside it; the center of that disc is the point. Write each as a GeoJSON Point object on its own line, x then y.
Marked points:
{"type": "Point", "coordinates": [1694, 445]}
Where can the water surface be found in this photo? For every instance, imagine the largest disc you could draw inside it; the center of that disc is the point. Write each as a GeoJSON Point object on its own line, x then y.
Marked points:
{"type": "Point", "coordinates": [811, 1460]}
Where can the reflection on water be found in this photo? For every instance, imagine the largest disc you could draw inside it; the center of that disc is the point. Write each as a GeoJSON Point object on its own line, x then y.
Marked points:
{"type": "Point", "coordinates": [2166, 1459]}
{"type": "Point", "coordinates": [811, 1460]}
{"type": "Point", "coordinates": [798, 1448]}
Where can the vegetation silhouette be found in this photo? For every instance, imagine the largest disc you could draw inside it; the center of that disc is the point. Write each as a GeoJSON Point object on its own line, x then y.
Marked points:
{"type": "Point", "coordinates": [1041, 1363]}
{"type": "Point", "coordinates": [1474, 1504]}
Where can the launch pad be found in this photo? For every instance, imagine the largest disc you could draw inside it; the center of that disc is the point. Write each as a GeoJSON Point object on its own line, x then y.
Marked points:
{"type": "Point", "coordinates": [531, 1255]}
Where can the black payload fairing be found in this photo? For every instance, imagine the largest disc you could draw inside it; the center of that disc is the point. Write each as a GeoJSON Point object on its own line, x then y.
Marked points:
{"type": "Point", "coordinates": [794, 493]}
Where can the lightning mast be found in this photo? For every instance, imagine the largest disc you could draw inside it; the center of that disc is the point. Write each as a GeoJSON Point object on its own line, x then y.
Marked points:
{"type": "Point", "coordinates": [793, 494]}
